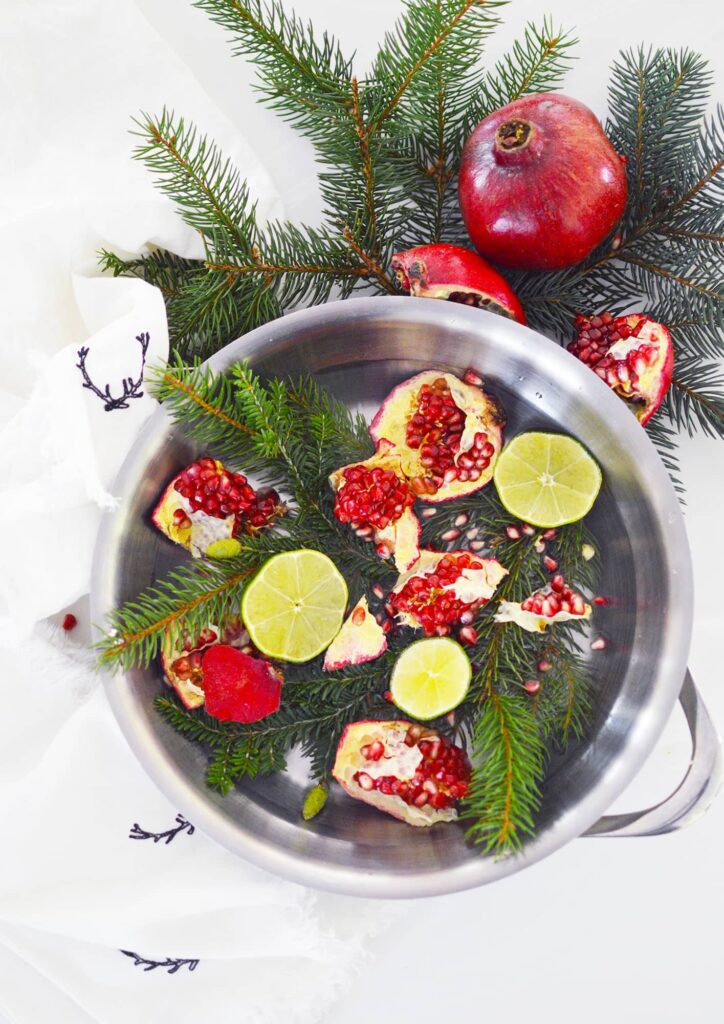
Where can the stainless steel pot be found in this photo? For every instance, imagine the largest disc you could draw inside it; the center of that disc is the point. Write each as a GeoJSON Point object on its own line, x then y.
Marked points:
{"type": "Point", "coordinates": [360, 348]}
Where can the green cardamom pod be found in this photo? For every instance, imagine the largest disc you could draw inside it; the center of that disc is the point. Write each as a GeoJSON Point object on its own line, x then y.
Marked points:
{"type": "Point", "coordinates": [314, 801]}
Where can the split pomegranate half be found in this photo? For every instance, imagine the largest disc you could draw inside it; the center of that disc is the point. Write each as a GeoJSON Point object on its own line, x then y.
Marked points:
{"type": "Point", "coordinates": [206, 503]}
{"type": "Point", "coordinates": [446, 432]}
{"type": "Point", "coordinates": [444, 590]}
{"type": "Point", "coordinates": [555, 603]}
{"type": "Point", "coordinates": [410, 772]}
{"type": "Point", "coordinates": [443, 271]}
{"type": "Point", "coordinates": [633, 354]}
{"type": "Point", "coordinates": [181, 657]}
{"type": "Point", "coordinates": [375, 498]}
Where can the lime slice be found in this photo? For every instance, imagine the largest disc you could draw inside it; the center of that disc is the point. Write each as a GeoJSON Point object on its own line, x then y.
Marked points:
{"type": "Point", "coordinates": [294, 606]}
{"type": "Point", "coordinates": [546, 479]}
{"type": "Point", "coordinates": [430, 678]}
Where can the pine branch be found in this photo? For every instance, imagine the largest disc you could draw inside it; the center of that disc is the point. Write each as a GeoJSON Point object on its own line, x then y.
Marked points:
{"type": "Point", "coordinates": [509, 760]}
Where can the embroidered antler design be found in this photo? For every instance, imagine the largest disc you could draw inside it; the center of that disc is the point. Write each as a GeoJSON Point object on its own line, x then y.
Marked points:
{"type": "Point", "coordinates": [131, 387]}
{"type": "Point", "coordinates": [168, 836]}
{"type": "Point", "coordinates": [170, 964]}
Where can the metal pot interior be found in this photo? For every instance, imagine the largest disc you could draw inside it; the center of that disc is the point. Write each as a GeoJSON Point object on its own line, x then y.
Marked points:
{"type": "Point", "coordinates": [360, 349]}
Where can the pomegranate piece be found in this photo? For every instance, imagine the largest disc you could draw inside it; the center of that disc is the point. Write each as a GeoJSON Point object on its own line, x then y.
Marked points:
{"type": "Point", "coordinates": [206, 503]}
{"type": "Point", "coordinates": [447, 434]}
{"type": "Point", "coordinates": [360, 639]}
{"type": "Point", "coordinates": [633, 354]}
{"type": "Point", "coordinates": [412, 773]}
{"type": "Point", "coordinates": [540, 184]}
{"type": "Point", "coordinates": [238, 687]}
{"type": "Point", "coordinates": [554, 603]}
{"type": "Point", "coordinates": [181, 657]}
{"type": "Point", "coordinates": [376, 499]}
{"type": "Point", "coordinates": [450, 272]}
{"type": "Point", "coordinates": [443, 590]}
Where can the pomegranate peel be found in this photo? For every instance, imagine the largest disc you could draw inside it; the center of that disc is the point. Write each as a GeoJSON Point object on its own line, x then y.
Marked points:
{"type": "Point", "coordinates": [540, 185]}
{"type": "Point", "coordinates": [443, 271]}
{"type": "Point", "coordinates": [375, 498]}
{"type": "Point", "coordinates": [442, 590]}
{"type": "Point", "coordinates": [360, 639]}
{"type": "Point", "coordinates": [410, 772]}
{"type": "Point", "coordinates": [555, 603]}
{"type": "Point", "coordinates": [206, 503]}
{"type": "Point", "coordinates": [447, 434]}
{"type": "Point", "coordinates": [181, 657]}
{"type": "Point", "coordinates": [238, 687]}
{"type": "Point", "coordinates": [633, 354]}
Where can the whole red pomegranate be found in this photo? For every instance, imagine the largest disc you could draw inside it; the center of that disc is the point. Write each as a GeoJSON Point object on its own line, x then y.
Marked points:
{"type": "Point", "coordinates": [443, 271]}
{"type": "Point", "coordinates": [540, 184]}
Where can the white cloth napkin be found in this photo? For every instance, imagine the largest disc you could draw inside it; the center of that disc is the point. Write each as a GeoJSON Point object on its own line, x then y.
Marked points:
{"type": "Point", "coordinates": [94, 861]}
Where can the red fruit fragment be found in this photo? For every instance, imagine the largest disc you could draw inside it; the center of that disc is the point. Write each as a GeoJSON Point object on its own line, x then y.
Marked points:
{"type": "Point", "coordinates": [555, 603]}
{"type": "Point", "coordinates": [239, 688]}
{"type": "Point", "coordinates": [360, 639]}
{"type": "Point", "coordinates": [633, 354]}
{"type": "Point", "coordinates": [540, 185]}
{"type": "Point", "coordinates": [206, 503]}
{"type": "Point", "coordinates": [442, 590]}
{"type": "Point", "coordinates": [443, 271]}
{"type": "Point", "coordinates": [410, 772]}
{"type": "Point", "coordinates": [69, 622]}
{"type": "Point", "coordinates": [181, 657]}
{"type": "Point", "coordinates": [375, 498]}
{"type": "Point", "coordinates": [447, 434]}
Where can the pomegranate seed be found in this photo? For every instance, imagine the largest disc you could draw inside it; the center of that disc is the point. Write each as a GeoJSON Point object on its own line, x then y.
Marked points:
{"type": "Point", "coordinates": [428, 513]}
{"type": "Point", "coordinates": [513, 532]}
{"type": "Point", "coordinates": [69, 622]}
{"type": "Point", "coordinates": [450, 535]}
{"type": "Point", "coordinates": [528, 530]}
{"type": "Point", "coordinates": [376, 750]}
{"type": "Point", "coordinates": [471, 377]}
{"type": "Point", "coordinates": [477, 545]}
{"type": "Point", "coordinates": [468, 635]}
{"type": "Point", "coordinates": [387, 696]}
{"type": "Point", "coordinates": [358, 616]}
{"type": "Point", "coordinates": [365, 751]}
{"type": "Point", "coordinates": [365, 781]}
{"type": "Point", "coordinates": [531, 686]}
{"type": "Point", "coordinates": [544, 666]}
{"type": "Point", "coordinates": [601, 601]}
{"type": "Point", "coordinates": [384, 550]}
{"type": "Point", "coordinates": [539, 545]}
{"type": "Point", "coordinates": [550, 534]}
{"type": "Point", "coordinates": [378, 591]}
{"type": "Point", "coordinates": [550, 563]}
{"type": "Point", "coordinates": [461, 519]}
{"type": "Point", "coordinates": [599, 644]}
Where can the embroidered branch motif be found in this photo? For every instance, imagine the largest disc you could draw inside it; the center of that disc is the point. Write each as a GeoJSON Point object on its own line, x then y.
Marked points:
{"type": "Point", "coordinates": [170, 965]}
{"type": "Point", "coordinates": [131, 387]}
{"type": "Point", "coordinates": [168, 836]}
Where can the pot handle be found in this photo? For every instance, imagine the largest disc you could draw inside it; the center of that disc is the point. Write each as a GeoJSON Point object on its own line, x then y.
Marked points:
{"type": "Point", "coordinates": [695, 792]}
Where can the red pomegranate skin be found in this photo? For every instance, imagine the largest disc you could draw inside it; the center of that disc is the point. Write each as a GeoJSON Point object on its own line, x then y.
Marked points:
{"type": "Point", "coordinates": [540, 184]}
{"type": "Point", "coordinates": [237, 687]}
{"type": "Point", "coordinates": [444, 271]}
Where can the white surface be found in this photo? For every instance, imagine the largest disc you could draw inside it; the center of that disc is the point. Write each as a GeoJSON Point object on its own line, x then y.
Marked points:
{"type": "Point", "coordinates": [625, 930]}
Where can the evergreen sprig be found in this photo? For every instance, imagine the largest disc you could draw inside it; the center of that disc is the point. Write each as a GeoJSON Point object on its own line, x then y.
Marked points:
{"type": "Point", "coordinates": [388, 145]}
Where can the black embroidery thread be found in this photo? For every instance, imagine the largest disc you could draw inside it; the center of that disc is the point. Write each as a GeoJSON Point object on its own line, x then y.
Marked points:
{"type": "Point", "coordinates": [171, 965]}
{"type": "Point", "coordinates": [168, 836]}
{"type": "Point", "coordinates": [131, 387]}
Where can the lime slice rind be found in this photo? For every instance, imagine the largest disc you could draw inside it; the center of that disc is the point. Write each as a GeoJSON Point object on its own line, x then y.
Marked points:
{"type": "Point", "coordinates": [281, 622]}
{"type": "Point", "coordinates": [430, 678]}
{"type": "Point", "coordinates": [547, 480]}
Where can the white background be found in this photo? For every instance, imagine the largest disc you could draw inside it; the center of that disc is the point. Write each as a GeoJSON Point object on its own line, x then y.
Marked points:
{"type": "Point", "coordinates": [624, 930]}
